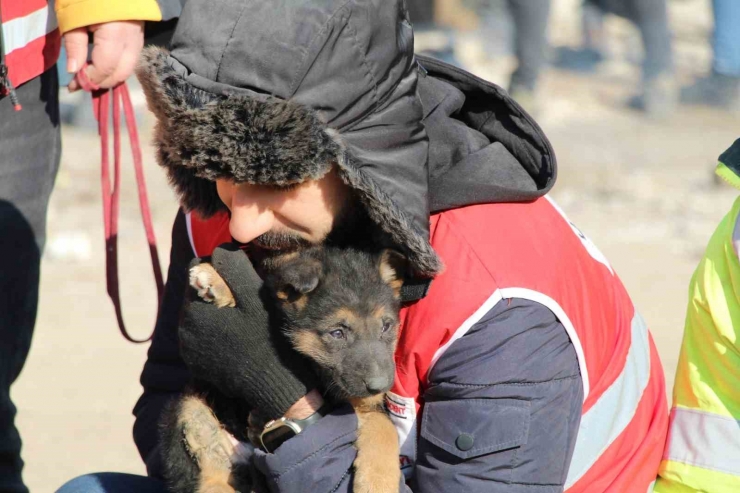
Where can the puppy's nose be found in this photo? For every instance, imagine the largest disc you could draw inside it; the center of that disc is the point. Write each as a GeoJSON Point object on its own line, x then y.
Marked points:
{"type": "Point", "coordinates": [376, 385]}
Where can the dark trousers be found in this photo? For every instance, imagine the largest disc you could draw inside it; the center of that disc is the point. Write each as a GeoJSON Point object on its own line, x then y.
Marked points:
{"type": "Point", "coordinates": [651, 18]}
{"type": "Point", "coordinates": [29, 157]}
{"type": "Point", "coordinates": [530, 35]}
{"type": "Point", "coordinates": [530, 40]}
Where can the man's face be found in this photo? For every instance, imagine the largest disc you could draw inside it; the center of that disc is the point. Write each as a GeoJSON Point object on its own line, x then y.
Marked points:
{"type": "Point", "coordinates": [283, 219]}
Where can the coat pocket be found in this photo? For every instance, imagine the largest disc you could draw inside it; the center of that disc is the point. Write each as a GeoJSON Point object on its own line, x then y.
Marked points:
{"type": "Point", "coordinates": [468, 428]}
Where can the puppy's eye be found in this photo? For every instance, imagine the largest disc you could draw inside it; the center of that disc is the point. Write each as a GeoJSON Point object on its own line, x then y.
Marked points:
{"type": "Point", "coordinates": [387, 326]}
{"type": "Point", "coordinates": [337, 334]}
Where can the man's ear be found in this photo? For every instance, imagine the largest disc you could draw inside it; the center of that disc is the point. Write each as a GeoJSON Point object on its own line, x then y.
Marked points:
{"type": "Point", "coordinates": [393, 266]}
{"type": "Point", "coordinates": [296, 279]}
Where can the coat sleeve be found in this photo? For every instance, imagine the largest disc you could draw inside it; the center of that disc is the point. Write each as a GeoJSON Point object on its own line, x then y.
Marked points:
{"type": "Point", "coordinates": [501, 414]}
{"type": "Point", "coordinates": [319, 459]}
{"type": "Point", "coordinates": [164, 375]}
{"type": "Point", "coordinates": [72, 14]}
{"type": "Point", "coordinates": [502, 407]}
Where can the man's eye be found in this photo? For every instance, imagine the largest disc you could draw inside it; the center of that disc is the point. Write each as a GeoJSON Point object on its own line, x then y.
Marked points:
{"type": "Point", "coordinates": [337, 334]}
{"type": "Point", "coordinates": [387, 326]}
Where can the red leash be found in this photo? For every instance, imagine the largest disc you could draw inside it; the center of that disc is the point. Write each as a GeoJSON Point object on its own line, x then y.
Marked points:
{"type": "Point", "coordinates": [111, 195]}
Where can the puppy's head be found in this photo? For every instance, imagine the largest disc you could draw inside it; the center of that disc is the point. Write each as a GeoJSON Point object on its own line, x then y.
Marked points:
{"type": "Point", "coordinates": [340, 308]}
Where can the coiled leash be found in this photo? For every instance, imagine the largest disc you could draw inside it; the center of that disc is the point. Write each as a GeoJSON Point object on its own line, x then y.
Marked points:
{"type": "Point", "coordinates": [111, 195]}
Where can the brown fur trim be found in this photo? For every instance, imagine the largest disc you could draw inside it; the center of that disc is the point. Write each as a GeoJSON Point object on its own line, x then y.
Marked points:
{"type": "Point", "coordinates": [423, 260]}
{"type": "Point", "coordinates": [202, 136]}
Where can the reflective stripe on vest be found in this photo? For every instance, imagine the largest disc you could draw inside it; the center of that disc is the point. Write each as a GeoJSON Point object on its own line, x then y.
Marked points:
{"type": "Point", "coordinates": [704, 439]}
{"type": "Point", "coordinates": [21, 31]}
{"type": "Point", "coordinates": [606, 420]}
{"type": "Point", "coordinates": [31, 39]}
{"type": "Point", "coordinates": [703, 448]}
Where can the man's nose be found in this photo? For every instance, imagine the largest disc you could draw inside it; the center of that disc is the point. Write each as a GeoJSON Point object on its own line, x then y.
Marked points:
{"type": "Point", "coordinates": [249, 220]}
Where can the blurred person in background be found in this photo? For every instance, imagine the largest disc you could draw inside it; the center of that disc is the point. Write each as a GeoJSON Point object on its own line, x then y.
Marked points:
{"type": "Point", "coordinates": [431, 38]}
{"type": "Point", "coordinates": [703, 444]}
{"type": "Point", "coordinates": [530, 47]}
{"type": "Point", "coordinates": [721, 88]}
{"type": "Point", "coordinates": [529, 19]}
{"type": "Point", "coordinates": [31, 34]}
{"type": "Point", "coordinates": [658, 95]}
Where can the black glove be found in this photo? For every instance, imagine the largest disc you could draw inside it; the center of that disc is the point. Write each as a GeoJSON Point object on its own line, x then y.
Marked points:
{"type": "Point", "coordinates": [241, 350]}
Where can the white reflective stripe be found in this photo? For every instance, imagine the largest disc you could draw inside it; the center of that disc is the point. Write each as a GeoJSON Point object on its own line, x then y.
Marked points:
{"type": "Point", "coordinates": [651, 487]}
{"type": "Point", "coordinates": [616, 407]}
{"type": "Point", "coordinates": [555, 308]}
{"type": "Point", "coordinates": [18, 32]}
{"type": "Point", "coordinates": [466, 325]}
{"type": "Point", "coordinates": [590, 246]}
{"type": "Point", "coordinates": [705, 440]}
{"type": "Point", "coordinates": [736, 236]}
{"type": "Point", "coordinates": [402, 412]}
{"type": "Point", "coordinates": [189, 225]}
{"type": "Point", "coordinates": [526, 294]}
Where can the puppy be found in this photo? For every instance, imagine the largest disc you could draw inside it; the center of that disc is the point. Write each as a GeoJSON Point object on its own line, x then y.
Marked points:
{"type": "Point", "coordinates": [339, 307]}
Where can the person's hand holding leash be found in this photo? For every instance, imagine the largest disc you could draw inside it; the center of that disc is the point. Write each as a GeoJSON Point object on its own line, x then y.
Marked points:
{"type": "Point", "coordinates": [116, 49]}
{"type": "Point", "coordinates": [236, 349]}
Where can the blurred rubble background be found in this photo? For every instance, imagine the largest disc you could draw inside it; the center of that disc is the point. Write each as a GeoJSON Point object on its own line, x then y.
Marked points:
{"type": "Point", "coordinates": [642, 188]}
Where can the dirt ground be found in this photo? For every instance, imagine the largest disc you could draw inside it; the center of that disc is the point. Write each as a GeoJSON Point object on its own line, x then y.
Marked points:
{"type": "Point", "coordinates": [642, 190]}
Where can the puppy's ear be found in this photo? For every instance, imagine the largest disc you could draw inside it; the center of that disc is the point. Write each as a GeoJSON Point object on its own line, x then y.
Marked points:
{"type": "Point", "coordinates": [393, 266]}
{"type": "Point", "coordinates": [296, 279]}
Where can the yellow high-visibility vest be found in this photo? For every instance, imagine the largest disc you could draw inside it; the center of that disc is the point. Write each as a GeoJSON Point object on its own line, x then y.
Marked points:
{"type": "Point", "coordinates": [703, 448]}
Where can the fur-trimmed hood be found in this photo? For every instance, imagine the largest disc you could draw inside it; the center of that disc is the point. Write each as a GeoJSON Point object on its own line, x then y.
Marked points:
{"type": "Point", "coordinates": [275, 92]}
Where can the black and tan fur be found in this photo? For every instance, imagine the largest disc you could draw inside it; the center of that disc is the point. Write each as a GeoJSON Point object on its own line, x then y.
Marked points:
{"type": "Point", "coordinates": [340, 308]}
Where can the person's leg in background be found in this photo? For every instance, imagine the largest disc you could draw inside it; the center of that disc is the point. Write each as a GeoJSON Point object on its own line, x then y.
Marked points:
{"type": "Point", "coordinates": [651, 18]}
{"type": "Point", "coordinates": [530, 46]}
{"type": "Point", "coordinates": [29, 157]}
{"type": "Point", "coordinates": [722, 87]}
{"type": "Point", "coordinates": [659, 93]}
{"type": "Point", "coordinates": [430, 38]}
{"type": "Point", "coordinates": [112, 482]}
{"type": "Point", "coordinates": [587, 57]}
{"type": "Point", "coordinates": [726, 39]}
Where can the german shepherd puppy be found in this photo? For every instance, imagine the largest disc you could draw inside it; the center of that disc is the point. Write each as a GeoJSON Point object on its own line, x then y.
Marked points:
{"type": "Point", "coordinates": [339, 307]}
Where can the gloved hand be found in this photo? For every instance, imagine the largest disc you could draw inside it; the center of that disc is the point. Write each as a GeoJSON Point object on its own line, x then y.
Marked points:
{"type": "Point", "coordinates": [240, 350]}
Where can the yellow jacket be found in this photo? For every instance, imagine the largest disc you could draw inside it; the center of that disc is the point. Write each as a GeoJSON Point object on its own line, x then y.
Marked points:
{"type": "Point", "coordinates": [703, 448]}
{"type": "Point", "coordinates": [72, 14]}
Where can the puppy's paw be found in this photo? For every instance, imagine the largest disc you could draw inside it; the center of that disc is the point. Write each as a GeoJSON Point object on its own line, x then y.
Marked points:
{"type": "Point", "coordinates": [210, 286]}
{"type": "Point", "coordinates": [205, 439]}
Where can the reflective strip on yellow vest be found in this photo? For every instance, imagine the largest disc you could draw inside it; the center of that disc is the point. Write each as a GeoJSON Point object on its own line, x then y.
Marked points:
{"type": "Point", "coordinates": [705, 440]}
{"type": "Point", "coordinates": [703, 448]}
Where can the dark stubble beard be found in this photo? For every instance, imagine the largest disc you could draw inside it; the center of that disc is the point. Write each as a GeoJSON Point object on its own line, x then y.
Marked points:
{"type": "Point", "coordinates": [352, 228]}
{"type": "Point", "coordinates": [281, 241]}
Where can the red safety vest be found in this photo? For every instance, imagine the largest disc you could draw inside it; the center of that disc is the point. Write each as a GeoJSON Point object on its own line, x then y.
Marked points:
{"type": "Point", "coordinates": [31, 39]}
{"type": "Point", "coordinates": [531, 251]}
